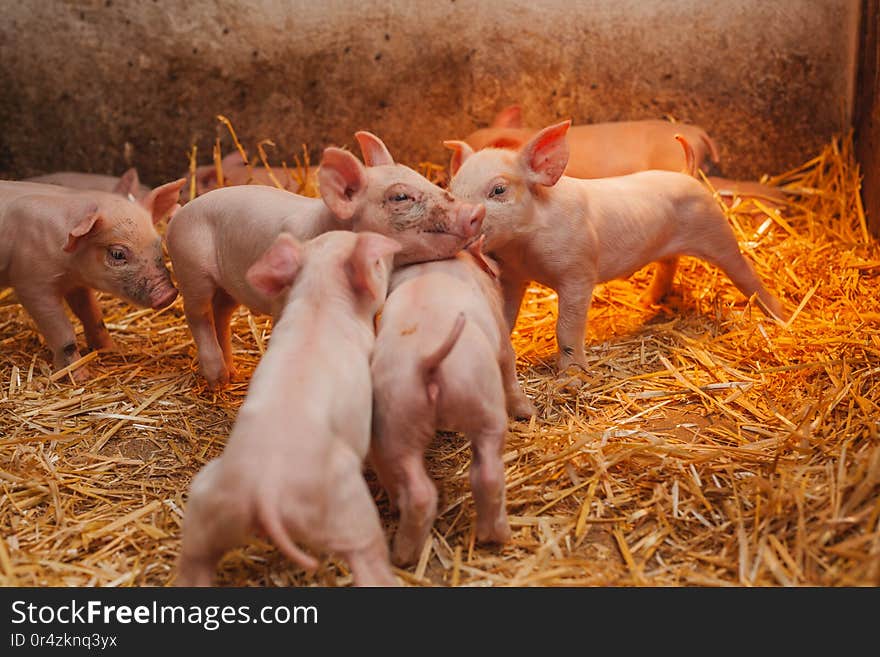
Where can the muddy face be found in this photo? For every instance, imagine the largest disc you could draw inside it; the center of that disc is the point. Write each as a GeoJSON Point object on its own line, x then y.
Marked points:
{"type": "Point", "coordinates": [125, 259]}
{"type": "Point", "coordinates": [428, 222]}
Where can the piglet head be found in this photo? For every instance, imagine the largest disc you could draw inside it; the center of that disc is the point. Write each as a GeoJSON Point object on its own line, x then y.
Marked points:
{"type": "Point", "coordinates": [277, 268]}
{"type": "Point", "coordinates": [393, 200]}
{"type": "Point", "coordinates": [508, 182]}
{"type": "Point", "coordinates": [336, 264]}
{"type": "Point", "coordinates": [114, 246]}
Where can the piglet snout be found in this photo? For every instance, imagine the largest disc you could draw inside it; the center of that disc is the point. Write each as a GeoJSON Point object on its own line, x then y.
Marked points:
{"type": "Point", "coordinates": [164, 298]}
{"type": "Point", "coordinates": [469, 219]}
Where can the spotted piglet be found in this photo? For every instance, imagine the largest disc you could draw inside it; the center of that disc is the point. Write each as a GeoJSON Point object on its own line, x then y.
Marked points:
{"type": "Point", "coordinates": [443, 360]}
{"type": "Point", "coordinates": [292, 465]}
{"type": "Point", "coordinates": [59, 244]}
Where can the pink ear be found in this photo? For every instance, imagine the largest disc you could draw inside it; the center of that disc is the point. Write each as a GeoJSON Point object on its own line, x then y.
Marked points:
{"type": "Point", "coordinates": [276, 269]}
{"type": "Point", "coordinates": [369, 250]}
{"type": "Point", "coordinates": [546, 155]}
{"type": "Point", "coordinates": [162, 201]}
{"type": "Point", "coordinates": [461, 151]}
{"type": "Point", "coordinates": [206, 178]}
{"type": "Point", "coordinates": [128, 183]}
{"type": "Point", "coordinates": [90, 222]}
{"type": "Point", "coordinates": [342, 179]}
{"type": "Point", "coordinates": [373, 149]}
{"type": "Point", "coordinates": [487, 265]}
{"type": "Point", "coordinates": [509, 117]}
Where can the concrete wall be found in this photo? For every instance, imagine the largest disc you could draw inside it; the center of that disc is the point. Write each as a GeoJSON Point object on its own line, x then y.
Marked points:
{"type": "Point", "coordinates": [97, 85]}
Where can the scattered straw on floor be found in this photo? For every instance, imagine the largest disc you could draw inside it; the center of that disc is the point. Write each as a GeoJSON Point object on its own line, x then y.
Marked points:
{"type": "Point", "coordinates": [706, 445]}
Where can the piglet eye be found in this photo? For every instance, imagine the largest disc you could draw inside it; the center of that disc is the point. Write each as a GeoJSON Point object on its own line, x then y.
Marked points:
{"type": "Point", "coordinates": [498, 190]}
{"type": "Point", "coordinates": [400, 196]}
{"type": "Point", "coordinates": [116, 255]}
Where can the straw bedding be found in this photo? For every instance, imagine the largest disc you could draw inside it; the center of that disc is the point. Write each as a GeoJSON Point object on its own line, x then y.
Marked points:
{"type": "Point", "coordinates": [704, 445]}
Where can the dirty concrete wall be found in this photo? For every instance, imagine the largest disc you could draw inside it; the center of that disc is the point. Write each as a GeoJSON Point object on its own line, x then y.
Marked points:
{"type": "Point", "coordinates": [866, 116]}
{"type": "Point", "coordinates": [96, 85]}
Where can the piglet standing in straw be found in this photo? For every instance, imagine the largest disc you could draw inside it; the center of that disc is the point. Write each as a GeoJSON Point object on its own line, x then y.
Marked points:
{"type": "Point", "coordinates": [443, 360]}
{"type": "Point", "coordinates": [571, 234]}
{"type": "Point", "coordinates": [214, 239]}
{"type": "Point", "coordinates": [292, 467]}
{"type": "Point", "coordinates": [58, 245]}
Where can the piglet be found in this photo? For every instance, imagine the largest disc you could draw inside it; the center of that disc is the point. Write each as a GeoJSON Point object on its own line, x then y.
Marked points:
{"type": "Point", "coordinates": [236, 172]}
{"type": "Point", "coordinates": [215, 239]}
{"type": "Point", "coordinates": [128, 184]}
{"type": "Point", "coordinates": [599, 150]}
{"type": "Point", "coordinates": [292, 466]}
{"type": "Point", "coordinates": [443, 360]}
{"type": "Point", "coordinates": [58, 245]}
{"type": "Point", "coordinates": [571, 234]}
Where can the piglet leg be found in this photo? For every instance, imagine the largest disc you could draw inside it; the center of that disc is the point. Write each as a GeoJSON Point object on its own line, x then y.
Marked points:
{"type": "Point", "coordinates": [224, 306]}
{"type": "Point", "coordinates": [487, 481]}
{"type": "Point", "coordinates": [518, 405]}
{"type": "Point", "coordinates": [212, 525]}
{"type": "Point", "coordinates": [514, 290]}
{"type": "Point", "coordinates": [721, 249]}
{"type": "Point", "coordinates": [198, 307]}
{"type": "Point", "coordinates": [48, 312]}
{"type": "Point", "coordinates": [664, 274]}
{"type": "Point", "coordinates": [416, 497]}
{"type": "Point", "coordinates": [574, 304]}
{"type": "Point", "coordinates": [84, 305]}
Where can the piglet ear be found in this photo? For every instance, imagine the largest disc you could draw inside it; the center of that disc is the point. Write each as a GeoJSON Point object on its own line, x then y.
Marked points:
{"type": "Point", "coordinates": [373, 149]}
{"type": "Point", "coordinates": [128, 184]}
{"type": "Point", "coordinates": [162, 201]}
{"type": "Point", "coordinates": [546, 155]}
{"type": "Point", "coordinates": [277, 268]}
{"type": "Point", "coordinates": [461, 151]}
{"type": "Point", "coordinates": [89, 223]}
{"type": "Point", "coordinates": [509, 117]}
{"type": "Point", "coordinates": [363, 266]}
{"type": "Point", "coordinates": [342, 180]}
{"type": "Point", "coordinates": [486, 264]}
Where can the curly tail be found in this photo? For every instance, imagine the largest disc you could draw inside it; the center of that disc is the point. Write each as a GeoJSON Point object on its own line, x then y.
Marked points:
{"type": "Point", "coordinates": [713, 150]}
{"type": "Point", "coordinates": [690, 160]}
{"type": "Point", "coordinates": [431, 363]}
{"type": "Point", "coordinates": [273, 526]}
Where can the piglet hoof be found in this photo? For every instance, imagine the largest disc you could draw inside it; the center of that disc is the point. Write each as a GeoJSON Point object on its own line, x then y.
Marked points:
{"type": "Point", "coordinates": [405, 552]}
{"type": "Point", "coordinates": [103, 343]}
{"type": "Point", "coordinates": [82, 374]}
{"type": "Point", "coordinates": [217, 378]}
{"type": "Point", "coordinates": [648, 300]}
{"type": "Point", "coordinates": [521, 408]}
{"type": "Point", "coordinates": [571, 379]}
{"type": "Point", "coordinates": [496, 532]}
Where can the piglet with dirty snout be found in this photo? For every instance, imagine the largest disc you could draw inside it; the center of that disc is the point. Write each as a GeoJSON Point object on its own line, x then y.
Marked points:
{"type": "Point", "coordinates": [571, 234]}
{"type": "Point", "coordinates": [292, 467]}
{"type": "Point", "coordinates": [214, 239]}
{"type": "Point", "coordinates": [58, 244]}
{"type": "Point", "coordinates": [443, 360]}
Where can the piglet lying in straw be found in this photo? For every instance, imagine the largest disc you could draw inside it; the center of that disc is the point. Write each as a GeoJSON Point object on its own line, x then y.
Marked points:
{"type": "Point", "coordinates": [58, 244]}
{"type": "Point", "coordinates": [443, 360]}
{"type": "Point", "coordinates": [292, 465]}
{"type": "Point", "coordinates": [599, 150]}
{"type": "Point", "coordinates": [215, 239]}
{"type": "Point", "coordinates": [571, 234]}
{"type": "Point", "coordinates": [127, 184]}
{"type": "Point", "coordinates": [236, 172]}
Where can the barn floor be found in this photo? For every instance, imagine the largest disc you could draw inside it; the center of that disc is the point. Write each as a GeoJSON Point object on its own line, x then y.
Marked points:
{"type": "Point", "coordinates": [706, 445]}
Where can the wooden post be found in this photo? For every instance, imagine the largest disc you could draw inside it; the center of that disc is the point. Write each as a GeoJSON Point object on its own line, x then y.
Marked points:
{"type": "Point", "coordinates": [866, 118]}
